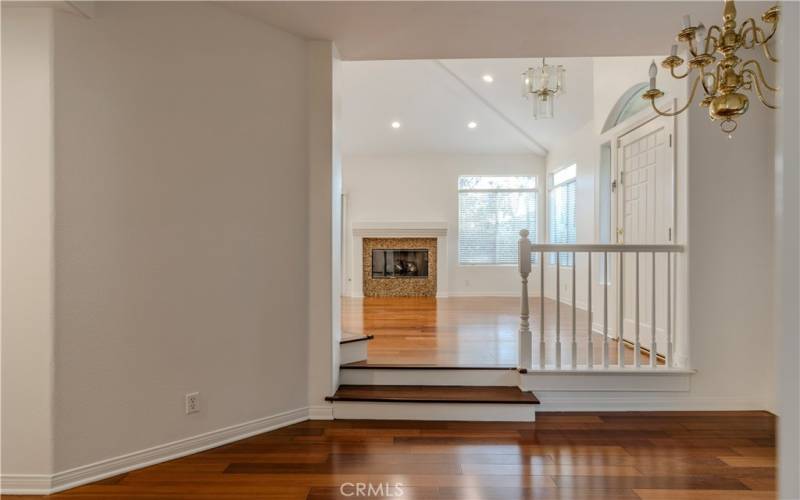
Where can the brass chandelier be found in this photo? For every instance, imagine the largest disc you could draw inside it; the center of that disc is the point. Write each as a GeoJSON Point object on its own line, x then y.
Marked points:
{"type": "Point", "coordinates": [723, 82]}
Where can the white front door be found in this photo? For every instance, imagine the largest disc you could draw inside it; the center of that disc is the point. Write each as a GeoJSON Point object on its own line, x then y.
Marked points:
{"type": "Point", "coordinates": [646, 216]}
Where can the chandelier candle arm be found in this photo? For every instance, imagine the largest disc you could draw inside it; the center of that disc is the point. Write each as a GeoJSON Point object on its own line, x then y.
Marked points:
{"type": "Point", "coordinates": [725, 86]}
{"type": "Point", "coordinates": [679, 111]}
{"type": "Point", "coordinates": [759, 93]}
{"type": "Point", "coordinates": [760, 74]}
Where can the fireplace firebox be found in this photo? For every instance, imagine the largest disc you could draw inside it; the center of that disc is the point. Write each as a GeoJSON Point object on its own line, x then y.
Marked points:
{"type": "Point", "coordinates": [399, 263]}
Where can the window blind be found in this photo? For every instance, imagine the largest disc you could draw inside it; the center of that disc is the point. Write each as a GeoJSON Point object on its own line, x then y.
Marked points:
{"type": "Point", "coordinates": [490, 217]}
{"type": "Point", "coordinates": [561, 219]}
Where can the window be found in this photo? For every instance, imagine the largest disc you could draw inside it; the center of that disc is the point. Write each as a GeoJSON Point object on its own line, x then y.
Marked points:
{"type": "Point", "coordinates": [561, 210]}
{"type": "Point", "coordinates": [491, 213]}
{"type": "Point", "coordinates": [627, 105]}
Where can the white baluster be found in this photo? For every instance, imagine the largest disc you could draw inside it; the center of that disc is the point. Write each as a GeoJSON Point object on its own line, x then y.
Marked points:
{"type": "Point", "coordinates": [605, 309]}
{"type": "Point", "coordinates": [621, 320]}
{"type": "Point", "coordinates": [525, 341]}
{"type": "Point", "coordinates": [670, 360]}
{"type": "Point", "coordinates": [574, 308]}
{"type": "Point", "coordinates": [558, 310]}
{"type": "Point", "coordinates": [590, 345]}
{"type": "Point", "coordinates": [542, 353]}
{"type": "Point", "coordinates": [637, 346]}
{"type": "Point", "coordinates": [653, 346]}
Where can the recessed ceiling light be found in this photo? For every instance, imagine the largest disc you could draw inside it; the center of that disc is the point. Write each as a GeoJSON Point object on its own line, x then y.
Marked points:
{"type": "Point", "coordinates": [488, 78]}
{"type": "Point", "coordinates": [395, 124]}
{"type": "Point", "coordinates": [472, 124]}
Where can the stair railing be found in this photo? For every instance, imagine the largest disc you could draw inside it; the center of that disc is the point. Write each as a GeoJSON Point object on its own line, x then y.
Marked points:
{"type": "Point", "coordinates": [661, 262]}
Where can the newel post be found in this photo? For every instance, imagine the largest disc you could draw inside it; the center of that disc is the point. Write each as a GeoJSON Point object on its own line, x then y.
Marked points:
{"type": "Point", "coordinates": [525, 338]}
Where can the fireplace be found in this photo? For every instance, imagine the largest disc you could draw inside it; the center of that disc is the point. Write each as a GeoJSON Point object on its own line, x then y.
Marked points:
{"type": "Point", "coordinates": [399, 267]}
{"type": "Point", "coordinates": [399, 263]}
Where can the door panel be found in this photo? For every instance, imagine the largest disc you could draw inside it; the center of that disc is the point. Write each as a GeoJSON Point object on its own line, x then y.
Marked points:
{"type": "Point", "coordinates": [645, 211]}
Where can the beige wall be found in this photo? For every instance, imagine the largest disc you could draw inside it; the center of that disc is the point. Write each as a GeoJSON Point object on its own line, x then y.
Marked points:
{"type": "Point", "coordinates": [27, 242]}
{"type": "Point", "coordinates": [324, 227]}
{"type": "Point", "coordinates": [180, 232]}
{"type": "Point", "coordinates": [787, 272]}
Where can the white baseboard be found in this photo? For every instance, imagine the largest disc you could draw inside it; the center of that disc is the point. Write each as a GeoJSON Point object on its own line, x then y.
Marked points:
{"type": "Point", "coordinates": [44, 485]}
{"type": "Point", "coordinates": [321, 412]}
{"type": "Point", "coordinates": [584, 401]}
{"type": "Point", "coordinates": [614, 380]}
{"type": "Point", "coordinates": [26, 484]}
{"type": "Point", "coordinates": [421, 376]}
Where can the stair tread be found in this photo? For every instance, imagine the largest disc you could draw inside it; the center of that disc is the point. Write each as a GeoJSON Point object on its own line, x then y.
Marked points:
{"type": "Point", "coordinates": [433, 394]}
{"type": "Point", "coordinates": [384, 366]}
{"type": "Point", "coordinates": [354, 337]}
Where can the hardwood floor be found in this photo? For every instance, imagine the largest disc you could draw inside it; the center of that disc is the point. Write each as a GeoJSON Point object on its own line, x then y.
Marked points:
{"type": "Point", "coordinates": [650, 456]}
{"type": "Point", "coordinates": [463, 331]}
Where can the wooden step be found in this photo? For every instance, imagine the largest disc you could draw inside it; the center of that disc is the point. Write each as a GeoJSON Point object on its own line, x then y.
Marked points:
{"type": "Point", "coordinates": [366, 365]}
{"type": "Point", "coordinates": [434, 394]}
{"type": "Point", "coordinates": [348, 338]}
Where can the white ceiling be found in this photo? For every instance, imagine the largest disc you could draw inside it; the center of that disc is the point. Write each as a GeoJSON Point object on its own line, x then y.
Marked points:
{"type": "Point", "coordinates": [370, 30]}
{"type": "Point", "coordinates": [434, 101]}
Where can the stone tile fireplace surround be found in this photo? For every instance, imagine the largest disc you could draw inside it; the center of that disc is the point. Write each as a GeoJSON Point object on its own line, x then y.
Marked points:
{"type": "Point", "coordinates": [400, 236]}
{"type": "Point", "coordinates": [399, 285]}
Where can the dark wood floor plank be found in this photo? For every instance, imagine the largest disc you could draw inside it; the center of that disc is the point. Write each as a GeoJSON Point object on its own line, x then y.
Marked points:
{"type": "Point", "coordinates": [609, 455]}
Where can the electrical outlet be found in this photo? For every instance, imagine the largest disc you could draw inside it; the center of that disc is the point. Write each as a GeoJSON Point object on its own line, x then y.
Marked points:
{"type": "Point", "coordinates": [192, 402]}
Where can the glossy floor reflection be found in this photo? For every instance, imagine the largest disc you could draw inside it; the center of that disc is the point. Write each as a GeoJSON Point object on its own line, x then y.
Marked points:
{"type": "Point", "coordinates": [648, 455]}
{"type": "Point", "coordinates": [464, 331]}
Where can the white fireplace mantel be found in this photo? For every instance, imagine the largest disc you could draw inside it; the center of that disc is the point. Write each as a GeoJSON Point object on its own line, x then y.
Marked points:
{"type": "Point", "coordinates": [402, 229]}
{"type": "Point", "coordinates": [428, 229]}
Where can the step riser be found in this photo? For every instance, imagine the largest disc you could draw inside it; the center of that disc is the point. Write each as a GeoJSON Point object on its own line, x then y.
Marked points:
{"type": "Point", "coordinates": [353, 351]}
{"type": "Point", "coordinates": [484, 412]}
{"type": "Point", "coordinates": [367, 376]}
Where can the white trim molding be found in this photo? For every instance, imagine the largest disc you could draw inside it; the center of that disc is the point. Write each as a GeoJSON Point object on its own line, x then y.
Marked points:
{"type": "Point", "coordinates": [618, 380]}
{"type": "Point", "coordinates": [370, 229]}
{"type": "Point", "coordinates": [320, 412]}
{"type": "Point", "coordinates": [620, 402]}
{"type": "Point", "coordinates": [24, 484]}
{"type": "Point", "coordinates": [480, 412]}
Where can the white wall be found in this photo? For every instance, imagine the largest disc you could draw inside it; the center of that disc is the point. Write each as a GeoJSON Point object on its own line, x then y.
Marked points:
{"type": "Point", "coordinates": [27, 259]}
{"type": "Point", "coordinates": [424, 188]}
{"type": "Point", "coordinates": [612, 76]}
{"type": "Point", "coordinates": [731, 255]}
{"type": "Point", "coordinates": [724, 216]}
{"type": "Point", "coordinates": [181, 202]}
{"type": "Point", "coordinates": [583, 149]}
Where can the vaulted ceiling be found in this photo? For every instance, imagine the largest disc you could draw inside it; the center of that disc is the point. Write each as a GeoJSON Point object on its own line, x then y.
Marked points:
{"type": "Point", "coordinates": [420, 62]}
{"type": "Point", "coordinates": [434, 101]}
